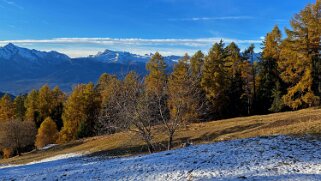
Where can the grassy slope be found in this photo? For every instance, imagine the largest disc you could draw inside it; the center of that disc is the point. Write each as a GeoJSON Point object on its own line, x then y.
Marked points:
{"type": "Point", "coordinates": [295, 123]}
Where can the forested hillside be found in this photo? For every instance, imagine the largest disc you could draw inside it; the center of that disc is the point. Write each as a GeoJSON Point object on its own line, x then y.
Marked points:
{"type": "Point", "coordinates": [224, 82]}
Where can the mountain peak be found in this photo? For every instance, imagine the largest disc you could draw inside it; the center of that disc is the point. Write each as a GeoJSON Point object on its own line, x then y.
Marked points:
{"type": "Point", "coordinates": [10, 46]}
{"type": "Point", "coordinates": [25, 55]}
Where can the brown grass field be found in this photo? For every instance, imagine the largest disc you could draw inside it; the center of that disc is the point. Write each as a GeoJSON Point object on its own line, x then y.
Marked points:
{"type": "Point", "coordinates": [296, 123]}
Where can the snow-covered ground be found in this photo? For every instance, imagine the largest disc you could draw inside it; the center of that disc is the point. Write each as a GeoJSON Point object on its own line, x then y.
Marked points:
{"type": "Point", "coordinates": [268, 158]}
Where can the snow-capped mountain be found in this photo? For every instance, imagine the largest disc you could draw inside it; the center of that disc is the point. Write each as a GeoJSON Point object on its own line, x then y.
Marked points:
{"type": "Point", "coordinates": [122, 57]}
{"type": "Point", "coordinates": [23, 69]}
{"type": "Point", "coordinates": [21, 55]}
{"type": "Point", "coordinates": [109, 56]}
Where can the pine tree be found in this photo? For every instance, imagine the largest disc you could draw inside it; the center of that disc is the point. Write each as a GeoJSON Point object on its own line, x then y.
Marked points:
{"type": "Point", "coordinates": [300, 58]}
{"type": "Point", "coordinates": [249, 69]}
{"type": "Point", "coordinates": [269, 74]}
{"type": "Point", "coordinates": [7, 108]}
{"type": "Point", "coordinates": [20, 108]}
{"type": "Point", "coordinates": [47, 133]}
{"type": "Point", "coordinates": [278, 103]}
{"type": "Point", "coordinates": [57, 106]}
{"type": "Point", "coordinates": [234, 65]}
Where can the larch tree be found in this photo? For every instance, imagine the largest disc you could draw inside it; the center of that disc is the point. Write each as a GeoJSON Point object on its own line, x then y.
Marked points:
{"type": "Point", "coordinates": [47, 133]}
{"type": "Point", "coordinates": [7, 113]}
{"type": "Point", "coordinates": [109, 89]}
{"type": "Point", "coordinates": [31, 104]}
{"type": "Point", "coordinates": [7, 108]}
{"type": "Point", "coordinates": [196, 65]}
{"type": "Point", "coordinates": [215, 78]}
{"type": "Point", "coordinates": [300, 61]}
{"type": "Point", "coordinates": [156, 87]}
{"type": "Point", "coordinates": [155, 81]}
{"type": "Point", "coordinates": [80, 113]}
{"type": "Point", "coordinates": [45, 103]}
{"type": "Point", "coordinates": [183, 99]}
{"type": "Point", "coordinates": [104, 86]}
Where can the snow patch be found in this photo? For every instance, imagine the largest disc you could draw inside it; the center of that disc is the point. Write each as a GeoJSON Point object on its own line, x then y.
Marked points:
{"type": "Point", "coordinates": [263, 158]}
{"type": "Point", "coordinates": [48, 146]}
{"type": "Point", "coordinates": [54, 158]}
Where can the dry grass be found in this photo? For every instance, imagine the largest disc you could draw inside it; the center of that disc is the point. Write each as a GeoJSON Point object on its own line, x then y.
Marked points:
{"type": "Point", "coordinates": [306, 121]}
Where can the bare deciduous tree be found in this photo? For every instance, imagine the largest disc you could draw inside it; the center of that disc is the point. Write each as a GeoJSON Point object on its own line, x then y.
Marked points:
{"type": "Point", "coordinates": [128, 107]}
{"type": "Point", "coordinates": [16, 135]}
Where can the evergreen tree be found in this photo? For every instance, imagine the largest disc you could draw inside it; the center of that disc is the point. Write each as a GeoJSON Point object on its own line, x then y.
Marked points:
{"type": "Point", "coordinates": [57, 106]}
{"type": "Point", "coordinates": [278, 103]}
{"type": "Point", "coordinates": [269, 74]}
{"type": "Point", "coordinates": [20, 108]}
{"type": "Point", "coordinates": [249, 69]}
{"type": "Point", "coordinates": [233, 63]}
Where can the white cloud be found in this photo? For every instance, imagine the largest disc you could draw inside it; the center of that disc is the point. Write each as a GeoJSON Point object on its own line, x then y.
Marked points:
{"type": "Point", "coordinates": [131, 41]}
{"type": "Point", "coordinates": [213, 18]}
{"type": "Point", "coordinates": [12, 3]}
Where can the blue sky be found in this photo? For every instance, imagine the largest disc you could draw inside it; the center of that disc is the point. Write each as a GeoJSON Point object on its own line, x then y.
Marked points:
{"type": "Point", "coordinates": [83, 27]}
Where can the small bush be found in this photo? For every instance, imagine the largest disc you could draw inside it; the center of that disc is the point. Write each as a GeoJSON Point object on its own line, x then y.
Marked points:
{"type": "Point", "coordinates": [7, 153]}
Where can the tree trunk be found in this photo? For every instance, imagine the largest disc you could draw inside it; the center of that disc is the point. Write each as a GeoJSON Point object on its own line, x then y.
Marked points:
{"type": "Point", "coordinates": [170, 141]}
{"type": "Point", "coordinates": [150, 146]}
{"type": "Point", "coordinates": [253, 107]}
{"type": "Point", "coordinates": [18, 152]}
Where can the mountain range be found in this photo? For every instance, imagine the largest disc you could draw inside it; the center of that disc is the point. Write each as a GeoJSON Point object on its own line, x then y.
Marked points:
{"type": "Point", "coordinates": [23, 69]}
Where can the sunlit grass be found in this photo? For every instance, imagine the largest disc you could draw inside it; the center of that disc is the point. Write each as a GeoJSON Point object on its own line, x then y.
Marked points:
{"type": "Point", "coordinates": [302, 122]}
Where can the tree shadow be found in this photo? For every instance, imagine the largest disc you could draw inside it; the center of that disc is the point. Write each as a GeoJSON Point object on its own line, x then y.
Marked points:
{"type": "Point", "coordinates": [234, 129]}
